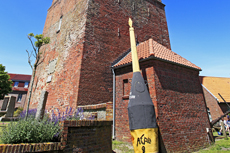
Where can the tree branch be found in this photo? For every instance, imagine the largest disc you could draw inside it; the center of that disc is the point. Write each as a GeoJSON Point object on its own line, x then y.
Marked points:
{"type": "Point", "coordinates": [29, 60]}
{"type": "Point", "coordinates": [32, 45]}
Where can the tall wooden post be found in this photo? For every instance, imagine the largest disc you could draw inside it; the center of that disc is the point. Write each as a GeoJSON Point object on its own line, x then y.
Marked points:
{"type": "Point", "coordinates": [142, 117]}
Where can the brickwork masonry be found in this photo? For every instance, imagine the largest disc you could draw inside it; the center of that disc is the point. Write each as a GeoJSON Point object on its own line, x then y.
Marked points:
{"type": "Point", "coordinates": [93, 33]}
{"type": "Point", "coordinates": [179, 105]}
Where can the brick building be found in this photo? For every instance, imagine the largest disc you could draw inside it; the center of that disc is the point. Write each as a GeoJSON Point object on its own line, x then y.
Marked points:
{"type": "Point", "coordinates": [88, 36]}
{"type": "Point", "coordinates": [173, 84]}
{"type": "Point", "coordinates": [20, 88]}
{"type": "Point", "coordinates": [212, 87]}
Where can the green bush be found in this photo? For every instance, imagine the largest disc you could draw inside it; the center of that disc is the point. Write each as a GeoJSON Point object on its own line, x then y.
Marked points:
{"type": "Point", "coordinates": [18, 111]}
{"type": "Point", "coordinates": [31, 131]}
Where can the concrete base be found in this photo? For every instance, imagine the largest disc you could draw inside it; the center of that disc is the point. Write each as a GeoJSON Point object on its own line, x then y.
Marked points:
{"type": "Point", "coordinates": [9, 118]}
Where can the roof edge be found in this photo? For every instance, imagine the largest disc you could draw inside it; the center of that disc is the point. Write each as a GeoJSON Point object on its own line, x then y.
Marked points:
{"type": "Point", "coordinates": [210, 92]}
{"type": "Point", "coordinates": [153, 57]}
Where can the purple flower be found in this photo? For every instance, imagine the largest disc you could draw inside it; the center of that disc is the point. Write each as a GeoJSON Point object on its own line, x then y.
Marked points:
{"type": "Point", "coordinates": [31, 113]}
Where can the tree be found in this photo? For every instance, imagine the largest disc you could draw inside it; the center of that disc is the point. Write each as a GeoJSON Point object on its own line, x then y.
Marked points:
{"type": "Point", "coordinates": [5, 83]}
{"type": "Point", "coordinates": [40, 40]}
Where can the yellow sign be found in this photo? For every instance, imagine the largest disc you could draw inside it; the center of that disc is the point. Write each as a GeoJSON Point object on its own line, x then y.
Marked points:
{"type": "Point", "coordinates": [145, 140]}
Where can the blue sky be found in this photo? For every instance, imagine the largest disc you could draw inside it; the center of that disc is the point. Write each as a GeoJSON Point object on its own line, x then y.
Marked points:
{"type": "Point", "coordinates": [199, 31]}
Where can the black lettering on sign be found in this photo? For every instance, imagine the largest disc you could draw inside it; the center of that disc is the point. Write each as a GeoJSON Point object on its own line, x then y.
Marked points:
{"type": "Point", "coordinates": [142, 140]}
{"type": "Point", "coordinates": [143, 149]}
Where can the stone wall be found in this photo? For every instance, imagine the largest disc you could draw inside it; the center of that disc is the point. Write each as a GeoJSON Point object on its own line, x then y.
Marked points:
{"type": "Point", "coordinates": [179, 104]}
{"type": "Point", "coordinates": [102, 111]}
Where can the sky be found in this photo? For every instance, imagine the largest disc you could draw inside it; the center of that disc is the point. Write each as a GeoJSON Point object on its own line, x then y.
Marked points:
{"type": "Point", "coordinates": [199, 31]}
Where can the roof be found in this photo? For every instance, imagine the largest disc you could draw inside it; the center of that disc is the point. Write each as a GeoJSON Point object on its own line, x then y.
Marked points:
{"type": "Point", "coordinates": [217, 85]}
{"type": "Point", "coordinates": [152, 49]}
{"type": "Point", "coordinates": [19, 77]}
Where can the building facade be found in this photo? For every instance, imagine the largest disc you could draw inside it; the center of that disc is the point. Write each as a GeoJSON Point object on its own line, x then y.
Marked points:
{"type": "Point", "coordinates": [86, 37]}
{"type": "Point", "coordinates": [175, 90]}
{"type": "Point", "coordinates": [20, 88]}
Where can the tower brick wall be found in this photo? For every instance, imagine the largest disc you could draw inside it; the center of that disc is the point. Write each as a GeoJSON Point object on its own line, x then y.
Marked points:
{"type": "Point", "coordinates": [93, 34]}
{"type": "Point", "coordinates": [66, 47]}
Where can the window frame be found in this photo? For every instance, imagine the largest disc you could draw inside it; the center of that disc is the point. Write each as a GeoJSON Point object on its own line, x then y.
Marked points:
{"type": "Point", "coordinates": [19, 99]}
{"type": "Point", "coordinates": [16, 83]}
{"type": "Point", "coordinates": [26, 85]}
{"type": "Point", "coordinates": [59, 25]}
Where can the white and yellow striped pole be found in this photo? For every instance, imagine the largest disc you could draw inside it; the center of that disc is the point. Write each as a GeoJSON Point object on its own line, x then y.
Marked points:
{"type": "Point", "coordinates": [142, 118]}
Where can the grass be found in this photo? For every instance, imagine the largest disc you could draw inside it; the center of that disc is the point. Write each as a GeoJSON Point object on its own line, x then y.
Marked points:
{"type": "Point", "coordinates": [220, 146]}
{"type": "Point", "coordinates": [122, 147]}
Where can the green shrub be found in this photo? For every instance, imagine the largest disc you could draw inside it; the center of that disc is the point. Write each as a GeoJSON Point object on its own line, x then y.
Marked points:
{"type": "Point", "coordinates": [18, 111]}
{"type": "Point", "coordinates": [34, 131]}
{"type": "Point", "coordinates": [31, 131]}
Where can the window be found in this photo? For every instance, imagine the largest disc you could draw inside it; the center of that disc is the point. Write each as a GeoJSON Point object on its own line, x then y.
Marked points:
{"type": "Point", "coordinates": [59, 26]}
{"type": "Point", "coordinates": [26, 85]}
{"type": "Point", "coordinates": [126, 87]}
{"type": "Point", "coordinates": [19, 97]}
{"type": "Point", "coordinates": [16, 84]}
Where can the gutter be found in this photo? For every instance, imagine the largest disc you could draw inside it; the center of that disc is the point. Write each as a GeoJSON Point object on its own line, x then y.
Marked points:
{"type": "Point", "coordinates": [114, 100]}
{"type": "Point", "coordinates": [210, 93]}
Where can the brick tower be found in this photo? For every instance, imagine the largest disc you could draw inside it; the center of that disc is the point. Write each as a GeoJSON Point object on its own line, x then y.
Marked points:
{"type": "Point", "coordinates": [86, 37]}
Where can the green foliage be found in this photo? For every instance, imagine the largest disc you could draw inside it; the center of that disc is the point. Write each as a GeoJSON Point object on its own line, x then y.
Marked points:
{"type": "Point", "coordinates": [18, 111]}
{"type": "Point", "coordinates": [5, 83]}
{"type": "Point", "coordinates": [40, 40]}
{"type": "Point", "coordinates": [30, 131]}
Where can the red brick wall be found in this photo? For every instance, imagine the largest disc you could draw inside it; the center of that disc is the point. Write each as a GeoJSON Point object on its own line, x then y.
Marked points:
{"type": "Point", "coordinates": [88, 43]}
{"type": "Point", "coordinates": [213, 105]}
{"type": "Point", "coordinates": [103, 45]}
{"type": "Point", "coordinates": [87, 136]}
{"type": "Point", "coordinates": [179, 103]}
{"type": "Point", "coordinates": [122, 131]}
{"type": "Point", "coordinates": [182, 110]}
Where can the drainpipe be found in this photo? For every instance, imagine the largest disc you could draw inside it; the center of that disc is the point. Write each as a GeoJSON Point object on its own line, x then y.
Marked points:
{"type": "Point", "coordinates": [114, 100]}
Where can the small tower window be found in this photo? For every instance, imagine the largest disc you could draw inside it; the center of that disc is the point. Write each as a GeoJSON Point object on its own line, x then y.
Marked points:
{"type": "Point", "coordinates": [59, 26]}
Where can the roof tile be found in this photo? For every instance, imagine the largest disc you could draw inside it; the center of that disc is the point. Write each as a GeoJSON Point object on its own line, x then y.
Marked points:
{"type": "Point", "coordinates": [217, 85]}
{"type": "Point", "coordinates": [21, 77]}
{"type": "Point", "coordinates": [152, 48]}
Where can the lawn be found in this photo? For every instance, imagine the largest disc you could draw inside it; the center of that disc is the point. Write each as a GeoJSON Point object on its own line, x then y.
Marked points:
{"type": "Point", "coordinates": [220, 146]}
{"type": "Point", "coordinates": [122, 147]}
